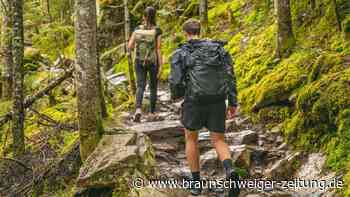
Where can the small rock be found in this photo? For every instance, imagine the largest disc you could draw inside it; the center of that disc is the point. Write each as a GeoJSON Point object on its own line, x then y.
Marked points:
{"type": "Point", "coordinates": [254, 195]}
{"type": "Point", "coordinates": [210, 160]}
{"type": "Point", "coordinates": [276, 129]}
{"type": "Point", "coordinates": [283, 168]}
{"type": "Point", "coordinates": [279, 140]}
{"type": "Point", "coordinates": [281, 194]}
{"type": "Point", "coordinates": [164, 98]}
{"type": "Point", "coordinates": [283, 146]}
{"type": "Point", "coordinates": [165, 147]}
{"type": "Point", "coordinates": [241, 156]}
{"type": "Point", "coordinates": [244, 137]}
{"type": "Point", "coordinates": [240, 122]}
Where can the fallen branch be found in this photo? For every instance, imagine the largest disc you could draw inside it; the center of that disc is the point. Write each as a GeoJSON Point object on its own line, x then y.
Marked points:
{"type": "Point", "coordinates": [17, 161]}
{"type": "Point", "coordinates": [29, 101]}
{"type": "Point", "coordinates": [53, 122]}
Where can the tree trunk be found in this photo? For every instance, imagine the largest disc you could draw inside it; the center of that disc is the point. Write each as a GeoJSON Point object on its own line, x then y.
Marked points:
{"type": "Point", "coordinates": [128, 52]}
{"type": "Point", "coordinates": [313, 4]}
{"type": "Point", "coordinates": [86, 77]}
{"type": "Point", "coordinates": [337, 16]}
{"type": "Point", "coordinates": [203, 12]}
{"type": "Point", "coordinates": [103, 106]}
{"type": "Point", "coordinates": [6, 51]}
{"type": "Point", "coordinates": [18, 104]}
{"type": "Point", "coordinates": [285, 37]}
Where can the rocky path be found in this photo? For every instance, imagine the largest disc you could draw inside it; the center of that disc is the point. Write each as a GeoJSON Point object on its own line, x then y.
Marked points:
{"type": "Point", "coordinates": [261, 154]}
{"type": "Point", "coordinates": [260, 151]}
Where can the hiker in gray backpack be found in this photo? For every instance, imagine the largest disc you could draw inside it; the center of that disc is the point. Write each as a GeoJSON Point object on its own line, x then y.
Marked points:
{"type": "Point", "coordinates": [202, 73]}
{"type": "Point", "coordinates": [146, 42]}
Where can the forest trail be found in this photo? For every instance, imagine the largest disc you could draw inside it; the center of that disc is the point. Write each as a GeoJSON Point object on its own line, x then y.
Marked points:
{"type": "Point", "coordinates": [262, 152]}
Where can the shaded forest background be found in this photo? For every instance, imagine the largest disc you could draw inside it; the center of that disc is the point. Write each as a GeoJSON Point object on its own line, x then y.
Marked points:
{"type": "Point", "coordinates": [300, 86]}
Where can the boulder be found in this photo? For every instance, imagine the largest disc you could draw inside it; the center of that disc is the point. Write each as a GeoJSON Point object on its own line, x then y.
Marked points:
{"type": "Point", "coordinates": [159, 130]}
{"type": "Point", "coordinates": [241, 155]}
{"type": "Point", "coordinates": [115, 158]}
{"type": "Point", "coordinates": [237, 138]}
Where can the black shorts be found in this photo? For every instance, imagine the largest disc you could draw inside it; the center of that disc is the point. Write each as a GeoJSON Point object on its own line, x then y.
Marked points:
{"type": "Point", "coordinates": [196, 116]}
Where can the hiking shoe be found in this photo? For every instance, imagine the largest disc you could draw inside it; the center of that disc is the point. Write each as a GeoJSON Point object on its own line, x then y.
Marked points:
{"type": "Point", "coordinates": [195, 191]}
{"type": "Point", "coordinates": [137, 116]}
{"type": "Point", "coordinates": [234, 189]}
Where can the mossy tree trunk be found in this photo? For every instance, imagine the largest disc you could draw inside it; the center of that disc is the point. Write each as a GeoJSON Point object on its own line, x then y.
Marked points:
{"type": "Point", "coordinates": [337, 16]}
{"type": "Point", "coordinates": [203, 12]}
{"type": "Point", "coordinates": [104, 112]}
{"type": "Point", "coordinates": [285, 36]}
{"type": "Point", "coordinates": [86, 77]}
{"type": "Point", "coordinates": [313, 4]}
{"type": "Point", "coordinates": [6, 50]}
{"type": "Point", "coordinates": [18, 96]}
{"type": "Point", "coordinates": [346, 29]}
{"type": "Point", "coordinates": [128, 52]}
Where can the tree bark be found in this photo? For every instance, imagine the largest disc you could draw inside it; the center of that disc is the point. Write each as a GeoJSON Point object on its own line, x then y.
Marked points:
{"type": "Point", "coordinates": [285, 37]}
{"type": "Point", "coordinates": [18, 104]}
{"type": "Point", "coordinates": [104, 112]}
{"type": "Point", "coordinates": [6, 51]}
{"type": "Point", "coordinates": [86, 77]}
{"type": "Point", "coordinates": [203, 12]}
{"type": "Point", "coordinates": [128, 52]}
{"type": "Point", "coordinates": [337, 16]}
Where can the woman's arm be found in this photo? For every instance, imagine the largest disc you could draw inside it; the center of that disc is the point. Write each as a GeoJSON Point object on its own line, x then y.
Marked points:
{"type": "Point", "coordinates": [131, 43]}
{"type": "Point", "coordinates": [159, 55]}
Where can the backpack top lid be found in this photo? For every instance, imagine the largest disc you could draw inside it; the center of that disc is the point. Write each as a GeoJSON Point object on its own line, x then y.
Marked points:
{"type": "Point", "coordinates": [142, 32]}
{"type": "Point", "coordinates": [203, 53]}
{"type": "Point", "coordinates": [198, 43]}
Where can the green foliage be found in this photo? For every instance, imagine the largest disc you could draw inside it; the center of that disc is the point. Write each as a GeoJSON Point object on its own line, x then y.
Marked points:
{"type": "Point", "coordinates": [338, 148]}
{"type": "Point", "coordinates": [5, 106]}
{"type": "Point", "coordinates": [55, 39]}
{"type": "Point", "coordinates": [254, 61]}
{"type": "Point", "coordinates": [124, 100]}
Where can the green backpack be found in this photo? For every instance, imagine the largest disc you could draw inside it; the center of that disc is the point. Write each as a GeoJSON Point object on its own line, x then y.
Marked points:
{"type": "Point", "coordinates": [145, 50]}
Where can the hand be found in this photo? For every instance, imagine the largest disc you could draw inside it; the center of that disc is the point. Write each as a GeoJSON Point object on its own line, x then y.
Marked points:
{"type": "Point", "coordinates": [231, 112]}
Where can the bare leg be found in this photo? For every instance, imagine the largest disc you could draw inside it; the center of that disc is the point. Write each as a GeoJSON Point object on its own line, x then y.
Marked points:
{"type": "Point", "coordinates": [192, 151]}
{"type": "Point", "coordinates": [221, 147]}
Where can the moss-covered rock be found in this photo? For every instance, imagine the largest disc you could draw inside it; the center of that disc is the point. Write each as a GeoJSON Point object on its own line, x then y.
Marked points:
{"type": "Point", "coordinates": [338, 148]}
{"type": "Point", "coordinates": [326, 63]}
{"type": "Point", "coordinates": [318, 107]}
{"type": "Point", "coordinates": [116, 159]}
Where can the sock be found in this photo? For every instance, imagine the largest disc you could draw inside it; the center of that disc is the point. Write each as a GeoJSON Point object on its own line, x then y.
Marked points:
{"type": "Point", "coordinates": [196, 176]}
{"type": "Point", "coordinates": [228, 165]}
